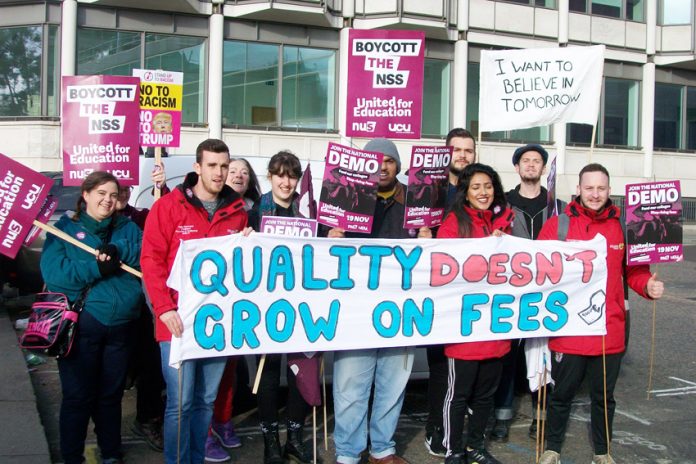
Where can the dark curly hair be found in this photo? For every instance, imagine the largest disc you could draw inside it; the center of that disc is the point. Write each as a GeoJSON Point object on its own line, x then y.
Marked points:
{"type": "Point", "coordinates": [499, 203]}
{"type": "Point", "coordinates": [285, 162]}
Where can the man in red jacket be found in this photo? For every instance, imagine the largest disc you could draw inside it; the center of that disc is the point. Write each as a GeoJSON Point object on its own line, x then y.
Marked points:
{"type": "Point", "coordinates": [572, 358]}
{"type": "Point", "coordinates": [203, 206]}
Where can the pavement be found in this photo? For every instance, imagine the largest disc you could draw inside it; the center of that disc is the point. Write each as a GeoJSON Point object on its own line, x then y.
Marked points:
{"type": "Point", "coordinates": [646, 431]}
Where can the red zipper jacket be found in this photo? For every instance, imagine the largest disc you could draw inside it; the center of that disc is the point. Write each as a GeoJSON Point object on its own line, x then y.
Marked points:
{"type": "Point", "coordinates": [177, 216]}
{"type": "Point", "coordinates": [584, 224]}
{"type": "Point", "coordinates": [482, 225]}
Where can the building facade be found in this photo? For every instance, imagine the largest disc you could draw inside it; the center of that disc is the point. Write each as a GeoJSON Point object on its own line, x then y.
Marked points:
{"type": "Point", "coordinates": [266, 75]}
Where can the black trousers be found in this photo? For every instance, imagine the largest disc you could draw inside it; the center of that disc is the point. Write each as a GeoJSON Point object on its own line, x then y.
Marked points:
{"type": "Point", "coordinates": [568, 371]}
{"type": "Point", "coordinates": [471, 386]}
{"type": "Point", "coordinates": [147, 363]}
{"type": "Point", "coordinates": [437, 386]}
{"type": "Point", "coordinates": [269, 392]}
{"type": "Point", "coordinates": [92, 378]}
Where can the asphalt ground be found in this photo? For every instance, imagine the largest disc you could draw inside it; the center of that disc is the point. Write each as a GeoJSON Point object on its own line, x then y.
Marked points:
{"type": "Point", "coordinates": [660, 429]}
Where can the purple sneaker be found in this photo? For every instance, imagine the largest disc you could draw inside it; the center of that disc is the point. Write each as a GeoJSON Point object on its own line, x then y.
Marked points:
{"type": "Point", "coordinates": [214, 452]}
{"type": "Point", "coordinates": [225, 433]}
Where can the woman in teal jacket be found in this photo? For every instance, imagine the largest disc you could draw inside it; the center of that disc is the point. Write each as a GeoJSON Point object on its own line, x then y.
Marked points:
{"type": "Point", "coordinates": [93, 375]}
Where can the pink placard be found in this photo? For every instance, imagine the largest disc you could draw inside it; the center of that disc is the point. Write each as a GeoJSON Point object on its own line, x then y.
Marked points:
{"type": "Point", "coordinates": [295, 227]}
{"type": "Point", "coordinates": [654, 223]}
{"type": "Point", "coordinates": [428, 181]}
{"type": "Point", "coordinates": [100, 127]}
{"type": "Point", "coordinates": [385, 83]}
{"type": "Point", "coordinates": [22, 194]}
{"type": "Point", "coordinates": [349, 189]}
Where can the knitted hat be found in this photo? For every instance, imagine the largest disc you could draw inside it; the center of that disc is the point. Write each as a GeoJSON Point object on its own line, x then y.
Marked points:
{"type": "Point", "coordinates": [530, 147]}
{"type": "Point", "coordinates": [386, 147]}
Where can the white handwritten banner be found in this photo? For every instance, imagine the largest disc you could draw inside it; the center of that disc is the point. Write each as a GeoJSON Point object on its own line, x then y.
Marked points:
{"type": "Point", "coordinates": [540, 86]}
{"type": "Point", "coordinates": [271, 294]}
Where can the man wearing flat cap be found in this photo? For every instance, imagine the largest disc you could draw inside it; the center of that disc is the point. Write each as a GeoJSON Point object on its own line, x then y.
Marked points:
{"type": "Point", "coordinates": [355, 371]}
{"type": "Point", "coordinates": [529, 202]}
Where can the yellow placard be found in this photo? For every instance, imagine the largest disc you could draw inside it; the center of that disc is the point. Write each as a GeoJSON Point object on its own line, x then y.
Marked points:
{"type": "Point", "coordinates": [160, 96]}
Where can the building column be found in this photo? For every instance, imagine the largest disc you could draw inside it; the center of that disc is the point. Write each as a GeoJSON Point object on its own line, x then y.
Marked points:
{"type": "Point", "coordinates": [459, 83]}
{"type": "Point", "coordinates": [647, 133]}
{"type": "Point", "coordinates": [343, 52]}
{"type": "Point", "coordinates": [563, 13]}
{"type": "Point", "coordinates": [559, 137]}
{"type": "Point", "coordinates": [68, 38]}
{"type": "Point", "coordinates": [215, 55]}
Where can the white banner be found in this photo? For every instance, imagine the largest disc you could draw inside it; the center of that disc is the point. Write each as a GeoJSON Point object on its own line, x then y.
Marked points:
{"type": "Point", "coordinates": [271, 294]}
{"type": "Point", "coordinates": [539, 86]}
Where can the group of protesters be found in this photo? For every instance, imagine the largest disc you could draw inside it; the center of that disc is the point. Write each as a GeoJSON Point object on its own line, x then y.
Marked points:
{"type": "Point", "coordinates": [192, 421]}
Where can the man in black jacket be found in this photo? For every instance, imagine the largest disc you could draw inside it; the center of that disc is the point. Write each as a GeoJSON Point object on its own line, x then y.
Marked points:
{"type": "Point", "coordinates": [529, 201]}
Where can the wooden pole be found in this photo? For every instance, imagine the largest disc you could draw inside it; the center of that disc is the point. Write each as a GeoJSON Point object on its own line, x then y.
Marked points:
{"type": "Point", "coordinates": [259, 370]}
{"type": "Point", "coordinates": [158, 163]}
{"type": "Point", "coordinates": [323, 387]}
{"type": "Point", "coordinates": [652, 348]}
{"type": "Point", "coordinates": [63, 236]}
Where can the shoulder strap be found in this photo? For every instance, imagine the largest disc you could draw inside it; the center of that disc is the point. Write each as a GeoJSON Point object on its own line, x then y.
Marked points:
{"type": "Point", "coordinates": [563, 223]}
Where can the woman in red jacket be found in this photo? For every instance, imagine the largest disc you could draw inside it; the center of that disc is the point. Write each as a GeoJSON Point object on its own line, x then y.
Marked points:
{"type": "Point", "coordinates": [479, 210]}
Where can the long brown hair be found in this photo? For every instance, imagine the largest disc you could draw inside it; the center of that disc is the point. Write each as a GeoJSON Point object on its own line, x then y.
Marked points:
{"type": "Point", "coordinates": [91, 182]}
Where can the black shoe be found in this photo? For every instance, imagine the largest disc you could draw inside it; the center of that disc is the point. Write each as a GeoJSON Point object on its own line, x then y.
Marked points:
{"type": "Point", "coordinates": [151, 431]}
{"type": "Point", "coordinates": [271, 444]}
{"type": "Point", "coordinates": [481, 456]}
{"type": "Point", "coordinates": [295, 449]}
{"type": "Point", "coordinates": [458, 458]}
{"type": "Point", "coordinates": [433, 443]}
{"type": "Point", "coordinates": [501, 430]}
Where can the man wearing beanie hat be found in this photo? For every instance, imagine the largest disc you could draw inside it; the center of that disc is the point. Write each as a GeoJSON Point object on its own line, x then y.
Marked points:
{"type": "Point", "coordinates": [528, 201]}
{"type": "Point", "coordinates": [355, 371]}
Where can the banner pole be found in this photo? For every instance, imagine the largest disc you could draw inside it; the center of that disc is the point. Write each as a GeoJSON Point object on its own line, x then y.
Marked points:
{"type": "Point", "coordinates": [652, 348]}
{"type": "Point", "coordinates": [259, 370]}
{"type": "Point", "coordinates": [592, 144]}
{"type": "Point", "coordinates": [323, 387]}
{"type": "Point", "coordinates": [158, 163]}
{"type": "Point", "coordinates": [63, 236]}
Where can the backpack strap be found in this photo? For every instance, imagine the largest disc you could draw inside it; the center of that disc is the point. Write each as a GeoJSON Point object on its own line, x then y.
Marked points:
{"type": "Point", "coordinates": [563, 223]}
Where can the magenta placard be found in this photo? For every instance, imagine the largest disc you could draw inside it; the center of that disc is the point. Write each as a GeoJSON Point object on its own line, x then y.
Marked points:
{"type": "Point", "coordinates": [385, 83]}
{"type": "Point", "coordinates": [100, 127]}
{"type": "Point", "coordinates": [428, 181]}
{"type": "Point", "coordinates": [349, 189]}
{"type": "Point", "coordinates": [22, 193]}
{"type": "Point", "coordinates": [654, 223]}
{"type": "Point", "coordinates": [295, 227]}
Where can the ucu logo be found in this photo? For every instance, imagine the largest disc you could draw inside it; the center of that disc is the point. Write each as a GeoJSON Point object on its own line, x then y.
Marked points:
{"type": "Point", "coordinates": [400, 127]}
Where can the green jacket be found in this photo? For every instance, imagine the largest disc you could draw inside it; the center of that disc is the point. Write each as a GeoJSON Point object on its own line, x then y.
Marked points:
{"type": "Point", "coordinates": [68, 269]}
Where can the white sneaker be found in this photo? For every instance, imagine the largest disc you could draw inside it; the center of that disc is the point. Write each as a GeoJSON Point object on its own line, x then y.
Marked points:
{"type": "Point", "coordinates": [603, 459]}
{"type": "Point", "coordinates": [550, 457]}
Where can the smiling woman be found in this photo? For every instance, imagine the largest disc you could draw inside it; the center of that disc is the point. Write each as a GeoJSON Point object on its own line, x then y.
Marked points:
{"type": "Point", "coordinates": [93, 375]}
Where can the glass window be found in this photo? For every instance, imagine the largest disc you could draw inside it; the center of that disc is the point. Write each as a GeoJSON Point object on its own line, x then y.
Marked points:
{"type": "Point", "coordinates": [251, 95]}
{"type": "Point", "coordinates": [103, 51]}
{"type": "Point", "coordinates": [620, 119]}
{"type": "Point", "coordinates": [541, 3]}
{"type": "Point", "coordinates": [621, 112]}
{"type": "Point", "coordinates": [634, 10]}
{"type": "Point", "coordinates": [20, 71]}
{"type": "Point", "coordinates": [308, 87]}
{"type": "Point", "coordinates": [250, 84]}
{"type": "Point", "coordinates": [183, 54]}
{"type": "Point", "coordinates": [53, 74]}
{"type": "Point", "coordinates": [675, 12]}
{"type": "Point", "coordinates": [533, 134]}
{"type": "Point", "coordinates": [436, 98]}
{"type": "Point", "coordinates": [610, 8]}
{"type": "Point", "coordinates": [668, 102]}
{"type": "Point", "coordinates": [691, 118]}
{"type": "Point", "coordinates": [579, 6]}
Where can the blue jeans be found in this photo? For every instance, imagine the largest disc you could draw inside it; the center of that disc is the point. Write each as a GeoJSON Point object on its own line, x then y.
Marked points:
{"type": "Point", "coordinates": [199, 386]}
{"type": "Point", "coordinates": [92, 379]}
{"type": "Point", "coordinates": [354, 373]}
